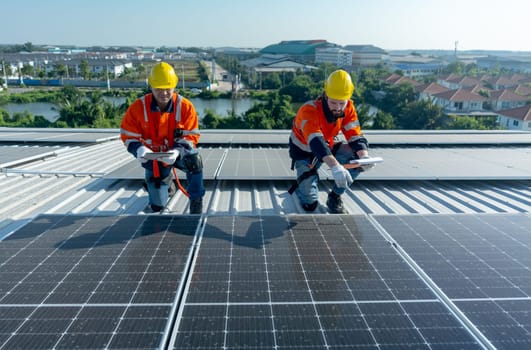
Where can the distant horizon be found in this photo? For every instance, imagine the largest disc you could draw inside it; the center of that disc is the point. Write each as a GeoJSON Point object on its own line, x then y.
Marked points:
{"type": "Point", "coordinates": [250, 47]}
{"type": "Point", "coordinates": [392, 25]}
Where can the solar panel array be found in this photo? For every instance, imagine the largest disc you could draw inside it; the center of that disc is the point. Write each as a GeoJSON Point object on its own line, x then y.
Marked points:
{"type": "Point", "coordinates": [399, 164]}
{"type": "Point", "coordinates": [309, 282]}
{"type": "Point", "coordinates": [481, 262]}
{"type": "Point", "coordinates": [92, 282]}
{"type": "Point", "coordinates": [269, 282]}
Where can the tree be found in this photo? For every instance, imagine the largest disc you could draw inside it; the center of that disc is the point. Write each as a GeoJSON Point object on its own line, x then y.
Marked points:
{"type": "Point", "coordinates": [28, 47]}
{"type": "Point", "coordinates": [272, 81]}
{"type": "Point", "coordinates": [59, 70]}
{"type": "Point", "coordinates": [383, 121]}
{"type": "Point", "coordinates": [301, 89]}
{"type": "Point", "coordinates": [84, 69]}
{"type": "Point", "coordinates": [423, 115]}
{"type": "Point", "coordinates": [396, 98]}
{"type": "Point", "coordinates": [275, 113]}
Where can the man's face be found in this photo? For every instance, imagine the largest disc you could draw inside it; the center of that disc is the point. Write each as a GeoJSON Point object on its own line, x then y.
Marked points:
{"type": "Point", "coordinates": [163, 96]}
{"type": "Point", "coordinates": [336, 106]}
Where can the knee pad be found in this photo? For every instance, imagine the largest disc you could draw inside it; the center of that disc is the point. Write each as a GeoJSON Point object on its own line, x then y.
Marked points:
{"type": "Point", "coordinates": [193, 163]}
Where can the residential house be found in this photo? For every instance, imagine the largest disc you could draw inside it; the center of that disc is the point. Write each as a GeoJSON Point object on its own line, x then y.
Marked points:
{"type": "Point", "coordinates": [516, 118]}
{"type": "Point", "coordinates": [459, 101]}
{"type": "Point", "coordinates": [455, 82]}
{"type": "Point", "coordinates": [505, 99]}
{"type": "Point", "coordinates": [523, 90]}
{"type": "Point", "coordinates": [427, 91]}
{"type": "Point", "coordinates": [397, 79]}
{"type": "Point", "coordinates": [501, 82]}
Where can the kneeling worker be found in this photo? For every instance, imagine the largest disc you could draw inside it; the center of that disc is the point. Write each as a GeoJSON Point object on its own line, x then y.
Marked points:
{"type": "Point", "coordinates": [312, 142]}
{"type": "Point", "coordinates": [164, 121]}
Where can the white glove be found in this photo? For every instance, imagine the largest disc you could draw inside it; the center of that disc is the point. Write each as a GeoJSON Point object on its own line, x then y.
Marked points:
{"type": "Point", "coordinates": [141, 152]}
{"type": "Point", "coordinates": [366, 167]}
{"type": "Point", "coordinates": [170, 159]}
{"type": "Point", "coordinates": [341, 176]}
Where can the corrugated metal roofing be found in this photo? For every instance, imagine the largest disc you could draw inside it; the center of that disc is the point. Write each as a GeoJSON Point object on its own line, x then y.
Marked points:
{"type": "Point", "coordinates": [73, 181]}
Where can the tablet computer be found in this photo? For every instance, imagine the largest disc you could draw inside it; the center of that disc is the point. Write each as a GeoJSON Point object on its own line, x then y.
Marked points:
{"type": "Point", "coordinates": [156, 155]}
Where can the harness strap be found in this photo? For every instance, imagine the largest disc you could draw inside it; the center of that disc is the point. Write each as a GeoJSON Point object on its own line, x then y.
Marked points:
{"type": "Point", "coordinates": [304, 175]}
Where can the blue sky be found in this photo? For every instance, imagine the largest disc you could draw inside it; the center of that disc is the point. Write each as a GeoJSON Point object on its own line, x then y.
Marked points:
{"type": "Point", "coordinates": [389, 24]}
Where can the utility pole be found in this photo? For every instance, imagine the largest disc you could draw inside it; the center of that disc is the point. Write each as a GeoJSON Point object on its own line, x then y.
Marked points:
{"type": "Point", "coordinates": [455, 50]}
{"type": "Point", "coordinates": [182, 67]}
{"type": "Point", "coordinates": [5, 74]}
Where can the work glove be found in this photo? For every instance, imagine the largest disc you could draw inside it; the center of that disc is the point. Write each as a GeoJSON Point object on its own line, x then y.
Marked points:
{"type": "Point", "coordinates": [341, 176]}
{"type": "Point", "coordinates": [141, 153]}
{"type": "Point", "coordinates": [366, 167]}
{"type": "Point", "coordinates": [170, 159]}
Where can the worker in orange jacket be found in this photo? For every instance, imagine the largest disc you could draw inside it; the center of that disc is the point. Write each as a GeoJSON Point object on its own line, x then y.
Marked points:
{"type": "Point", "coordinates": [313, 142]}
{"type": "Point", "coordinates": [164, 121]}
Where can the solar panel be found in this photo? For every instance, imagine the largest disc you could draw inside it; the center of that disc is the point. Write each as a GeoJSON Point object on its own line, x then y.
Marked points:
{"type": "Point", "coordinates": [92, 282]}
{"type": "Point", "coordinates": [481, 262]}
{"type": "Point", "coordinates": [309, 282]}
{"type": "Point", "coordinates": [256, 164]}
{"type": "Point", "coordinates": [133, 170]}
{"type": "Point", "coordinates": [244, 137]}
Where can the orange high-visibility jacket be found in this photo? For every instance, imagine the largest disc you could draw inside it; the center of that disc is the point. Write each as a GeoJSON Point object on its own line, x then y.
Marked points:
{"type": "Point", "coordinates": [135, 126]}
{"type": "Point", "coordinates": [311, 122]}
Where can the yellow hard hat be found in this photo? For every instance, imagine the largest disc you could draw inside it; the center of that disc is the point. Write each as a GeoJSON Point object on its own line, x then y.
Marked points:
{"type": "Point", "coordinates": [339, 85]}
{"type": "Point", "coordinates": [163, 76]}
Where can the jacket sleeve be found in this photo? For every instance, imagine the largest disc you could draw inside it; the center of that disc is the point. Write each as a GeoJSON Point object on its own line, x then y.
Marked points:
{"type": "Point", "coordinates": [131, 129]}
{"type": "Point", "coordinates": [312, 132]}
{"type": "Point", "coordinates": [352, 130]}
{"type": "Point", "coordinates": [189, 122]}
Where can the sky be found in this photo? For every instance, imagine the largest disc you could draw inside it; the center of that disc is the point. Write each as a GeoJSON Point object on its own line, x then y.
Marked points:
{"type": "Point", "coordinates": [388, 24]}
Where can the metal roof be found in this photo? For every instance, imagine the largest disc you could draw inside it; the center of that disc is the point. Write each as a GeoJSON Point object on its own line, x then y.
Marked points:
{"type": "Point", "coordinates": [414, 225]}
{"type": "Point", "coordinates": [82, 179]}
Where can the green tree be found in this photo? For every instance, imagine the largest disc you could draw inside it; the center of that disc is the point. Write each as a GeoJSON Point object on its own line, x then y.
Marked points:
{"type": "Point", "coordinates": [59, 70]}
{"type": "Point", "coordinates": [26, 70]}
{"type": "Point", "coordinates": [383, 121]}
{"type": "Point", "coordinates": [84, 69]}
{"type": "Point", "coordinates": [423, 115]}
{"type": "Point", "coordinates": [272, 81]}
{"type": "Point", "coordinates": [301, 89]}
{"type": "Point", "coordinates": [396, 98]}
{"type": "Point", "coordinates": [275, 113]}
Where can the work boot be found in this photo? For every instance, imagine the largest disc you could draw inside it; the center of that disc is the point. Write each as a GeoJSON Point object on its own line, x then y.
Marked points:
{"type": "Point", "coordinates": [196, 206]}
{"type": "Point", "coordinates": [310, 207]}
{"type": "Point", "coordinates": [335, 204]}
{"type": "Point", "coordinates": [152, 209]}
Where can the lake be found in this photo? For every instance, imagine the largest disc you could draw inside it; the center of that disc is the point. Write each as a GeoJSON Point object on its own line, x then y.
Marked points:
{"type": "Point", "coordinates": [220, 106]}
